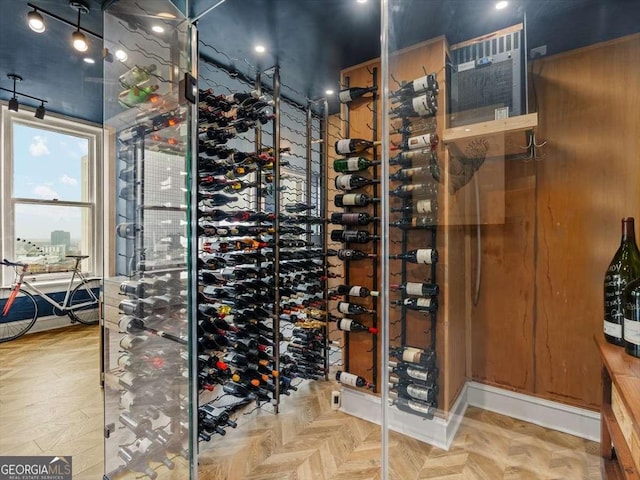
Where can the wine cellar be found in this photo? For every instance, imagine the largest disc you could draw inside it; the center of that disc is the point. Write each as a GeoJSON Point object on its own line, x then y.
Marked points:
{"type": "Point", "coordinates": [337, 240]}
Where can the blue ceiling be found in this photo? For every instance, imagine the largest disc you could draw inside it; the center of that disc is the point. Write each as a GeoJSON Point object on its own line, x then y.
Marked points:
{"type": "Point", "coordinates": [310, 39]}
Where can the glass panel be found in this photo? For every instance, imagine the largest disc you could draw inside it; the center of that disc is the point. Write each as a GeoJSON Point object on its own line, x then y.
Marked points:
{"type": "Point", "coordinates": [45, 234]}
{"type": "Point", "coordinates": [147, 392]}
{"type": "Point", "coordinates": [50, 165]}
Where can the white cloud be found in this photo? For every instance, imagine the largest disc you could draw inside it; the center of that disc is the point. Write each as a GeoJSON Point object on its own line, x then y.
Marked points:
{"type": "Point", "coordinates": [39, 147]}
{"type": "Point", "coordinates": [45, 192]}
{"type": "Point", "coordinates": [67, 180]}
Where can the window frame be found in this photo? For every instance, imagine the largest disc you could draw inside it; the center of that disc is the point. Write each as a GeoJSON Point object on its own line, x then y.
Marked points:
{"type": "Point", "coordinates": [94, 201]}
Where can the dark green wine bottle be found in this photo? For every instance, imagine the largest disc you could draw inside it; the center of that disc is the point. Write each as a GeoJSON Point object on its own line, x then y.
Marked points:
{"type": "Point", "coordinates": [624, 268]}
{"type": "Point", "coordinates": [631, 329]}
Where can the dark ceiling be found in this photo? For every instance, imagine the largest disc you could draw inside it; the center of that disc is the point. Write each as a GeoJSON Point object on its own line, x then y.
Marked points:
{"type": "Point", "coordinates": [311, 40]}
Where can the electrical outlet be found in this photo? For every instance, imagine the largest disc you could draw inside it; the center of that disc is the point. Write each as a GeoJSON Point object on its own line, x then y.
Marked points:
{"type": "Point", "coordinates": [538, 52]}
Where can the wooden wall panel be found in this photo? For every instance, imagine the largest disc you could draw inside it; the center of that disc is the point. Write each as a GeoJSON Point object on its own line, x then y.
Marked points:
{"type": "Point", "coordinates": [589, 107]}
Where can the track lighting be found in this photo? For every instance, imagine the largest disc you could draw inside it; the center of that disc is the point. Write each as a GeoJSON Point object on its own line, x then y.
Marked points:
{"type": "Point", "coordinates": [79, 41]}
{"type": "Point", "coordinates": [13, 102]}
{"type": "Point", "coordinates": [40, 111]}
{"type": "Point", "coordinates": [36, 22]}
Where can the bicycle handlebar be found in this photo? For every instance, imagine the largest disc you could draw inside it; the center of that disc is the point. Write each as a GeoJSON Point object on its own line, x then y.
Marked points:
{"type": "Point", "coordinates": [9, 263]}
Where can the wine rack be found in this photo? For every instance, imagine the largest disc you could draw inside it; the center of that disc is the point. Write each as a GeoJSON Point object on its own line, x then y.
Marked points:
{"type": "Point", "coordinates": [414, 369]}
{"type": "Point", "coordinates": [146, 296]}
{"type": "Point", "coordinates": [260, 332]}
{"type": "Point", "coordinates": [360, 278]}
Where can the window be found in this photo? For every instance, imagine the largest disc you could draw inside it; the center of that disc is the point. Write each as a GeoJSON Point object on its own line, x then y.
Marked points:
{"type": "Point", "coordinates": [51, 194]}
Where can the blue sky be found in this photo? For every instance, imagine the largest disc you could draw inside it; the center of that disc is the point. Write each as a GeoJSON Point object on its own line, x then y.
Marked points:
{"type": "Point", "coordinates": [47, 165]}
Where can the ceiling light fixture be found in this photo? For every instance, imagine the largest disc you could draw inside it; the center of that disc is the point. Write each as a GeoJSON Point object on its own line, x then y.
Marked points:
{"type": "Point", "coordinates": [13, 102]}
{"type": "Point", "coordinates": [329, 92]}
{"type": "Point", "coordinates": [157, 29]}
{"type": "Point", "coordinates": [89, 60]}
{"type": "Point", "coordinates": [502, 5]}
{"type": "Point", "coordinates": [40, 111]}
{"type": "Point", "coordinates": [78, 38]}
{"type": "Point", "coordinates": [260, 48]}
{"type": "Point", "coordinates": [36, 22]}
{"type": "Point", "coordinates": [361, 1]}
{"type": "Point", "coordinates": [121, 55]}
{"type": "Point", "coordinates": [166, 15]}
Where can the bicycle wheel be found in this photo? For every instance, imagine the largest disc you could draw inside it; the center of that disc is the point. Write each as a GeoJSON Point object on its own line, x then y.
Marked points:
{"type": "Point", "coordinates": [20, 318]}
{"type": "Point", "coordinates": [88, 314]}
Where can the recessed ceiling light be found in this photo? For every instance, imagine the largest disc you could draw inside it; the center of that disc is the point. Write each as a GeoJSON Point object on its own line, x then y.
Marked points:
{"type": "Point", "coordinates": [121, 55]}
{"type": "Point", "coordinates": [501, 5]}
{"type": "Point", "coordinates": [166, 15]}
{"type": "Point", "coordinates": [260, 48]}
{"type": "Point", "coordinates": [361, 1]}
{"type": "Point", "coordinates": [329, 92]}
{"type": "Point", "coordinates": [89, 60]}
{"type": "Point", "coordinates": [157, 29]}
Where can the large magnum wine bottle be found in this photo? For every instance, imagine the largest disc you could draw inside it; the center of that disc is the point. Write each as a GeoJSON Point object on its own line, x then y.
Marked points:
{"type": "Point", "coordinates": [353, 93]}
{"type": "Point", "coordinates": [347, 146]}
{"type": "Point", "coordinates": [351, 379]}
{"type": "Point", "coordinates": [420, 255]}
{"type": "Point", "coordinates": [624, 268]}
{"type": "Point", "coordinates": [631, 330]}
{"type": "Point", "coordinates": [354, 164]}
{"type": "Point", "coordinates": [353, 200]}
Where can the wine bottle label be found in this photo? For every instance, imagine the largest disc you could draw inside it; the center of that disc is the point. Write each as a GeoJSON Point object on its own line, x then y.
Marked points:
{"type": "Point", "coordinates": [143, 445]}
{"type": "Point", "coordinates": [421, 107]}
{"type": "Point", "coordinates": [343, 182]}
{"type": "Point", "coordinates": [417, 392]}
{"type": "Point", "coordinates": [420, 141]}
{"type": "Point", "coordinates": [414, 288]}
{"type": "Point", "coordinates": [418, 407]}
{"type": "Point", "coordinates": [417, 374]}
{"type": "Point", "coordinates": [348, 379]}
{"type": "Point", "coordinates": [353, 164]}
{"type": "Point", "coordinates": [349, 218]}
{"type": "Point", "coordinates": [345, 324]}
{"type": "Point", "coordinates": [424, 255]}
{"type": "Point", "coordinates": [342, 146]}
{"type": "Point", "coordinates": [613, 329]}
{"type": "Point", "coordinates": [126, 400]}
{"type": "Point", "coordinates": [411, 355]}
{"type": "Point", "coordinates": [632, 331]}
{"type": "Point", "coordinates": [343, 307]}
{"type": "Point", "coordinates": [423, 302]}
{"type": "Point", "coordinates": [424, 206]}
{"type": "Point", "coordinates": [345, 96]}
{"type": "Point", "coordinates": [351, 199]}
{"type": "Point", "coordinates": [420, 84]}
{"type": "Point", "coordinates": [355, 291]}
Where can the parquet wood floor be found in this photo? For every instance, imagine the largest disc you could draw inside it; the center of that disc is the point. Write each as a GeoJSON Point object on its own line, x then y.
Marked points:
{"type": "Point", "coordinates": [51, 404]}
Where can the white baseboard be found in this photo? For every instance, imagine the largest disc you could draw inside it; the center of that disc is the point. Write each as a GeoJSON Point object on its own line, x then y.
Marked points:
{"type": "Point", "coordinates": [440, 431]}
{"type": "Point", "coordinates": [49, 323]}
{"type": "Point", "coordinates": [437, 431]}
{"type": "Point", "coordinates": [546, 413]}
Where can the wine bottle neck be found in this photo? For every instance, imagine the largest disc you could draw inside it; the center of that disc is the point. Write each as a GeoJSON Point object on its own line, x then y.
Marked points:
{"type": "Point", "coordinates": [628, 230]}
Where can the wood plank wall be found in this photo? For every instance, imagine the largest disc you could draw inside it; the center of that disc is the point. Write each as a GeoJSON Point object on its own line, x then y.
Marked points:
{"type": "Point", "coordinates": [542, 271]}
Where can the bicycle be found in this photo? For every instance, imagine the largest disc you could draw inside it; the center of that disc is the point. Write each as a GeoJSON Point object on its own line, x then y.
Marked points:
{"type": "Point", "coordinates": [80, 302]}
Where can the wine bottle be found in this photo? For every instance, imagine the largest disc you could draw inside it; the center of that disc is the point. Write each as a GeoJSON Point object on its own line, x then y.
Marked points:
{"type": "Point", "coordinates": [356, 291]}
{"type": "Point", "coordinates": [350, 94]}
{"type": "Point", "coordinates": [353, 200]}
{"type": "Point", "coordinates": [298, 207]}
{"type": "Point", "coordinates": [352, 309]}
{"type": "Point", "coordinates": [417, 289]}
{"type": "Point", "coordinates": [352, 380]}
{"type": "Point", "coordinates": [428, 223]}
{"type": "Point", "coordinates": [427, 140]}
{"type": "Point", "coordinates": [352, 218]}
{"type": "Point", "coordinates": [218, 200]}
{"type": "Point", "coordinates": [353, 236]}
{"type": "Point", "coordinates": [428, 206]}
{"type": "Point", "coordinates": [428, 83]}
{"type": "Point", "coordinates": [407, 173]}
{"type": "Point", "coordinates": [414, 391]}
{"type": "Point", "coordinates": [414, 372]}
{"type": "Point", "coordinates": [137, 95]}
{"type": "Point", "coordinates": [423, 106]}
{"type": "Point", "coordinates": [136, 76]}
{"type": "Point", "coordinates": [631, 330]}
{"type": "Point", "coordinates": [421, 304]}
{"type": "Point", "coordinates": [348, 254]}
{"type": "Point", "coordinates": [348, 146]}
{"type": "Point", "coordinates": [624, 268]}
{"type": "Point", "coordinates": [349, 325]}
{"type": "Point", "coordinates": [420, 255]}
{"type": "Point", "coordinates": [354, 164]}
{"type": "Point", "coordinates": [414, 189]}
{"type": "Point", "coordinates": [416, 407]}
{"type": "Point", "coordinates": [414, 157]}
{"type": "Point", "coordinates": [428, 124]}
{"type": "Point", "coordinates": [352, 182]}
{"type": "Point", "coordinates": [426, 358]}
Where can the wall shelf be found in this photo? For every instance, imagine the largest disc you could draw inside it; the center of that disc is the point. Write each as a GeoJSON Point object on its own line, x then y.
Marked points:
{"type": "Point", "coordinates": [505, 137]}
